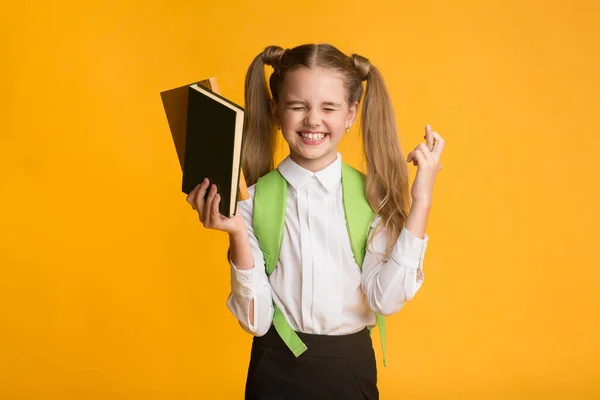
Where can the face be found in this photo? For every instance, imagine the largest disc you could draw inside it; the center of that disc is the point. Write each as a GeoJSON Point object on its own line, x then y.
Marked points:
{"type": "Point", "coordinates": [313, 113]}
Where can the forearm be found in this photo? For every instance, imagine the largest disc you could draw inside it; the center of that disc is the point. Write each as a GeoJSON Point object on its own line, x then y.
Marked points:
{"type": "Point", "coordinates": [249, 285]}
{"type": "Point", "coordinates": [416, 222]}
{"type": "Point", "coordinates": [389, 282]}
{"type": "Point", "coordinates": [241, 256]}
{"type": "Point", "coordinates": [240, 251]}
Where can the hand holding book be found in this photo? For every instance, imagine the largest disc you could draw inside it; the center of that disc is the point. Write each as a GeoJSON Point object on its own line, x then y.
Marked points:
{"type": "Point", "coordinates": [205, 199]}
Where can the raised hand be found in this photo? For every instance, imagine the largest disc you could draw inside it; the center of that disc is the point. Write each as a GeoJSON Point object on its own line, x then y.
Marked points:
{"type": "Point", "coordinates": [426, 156]}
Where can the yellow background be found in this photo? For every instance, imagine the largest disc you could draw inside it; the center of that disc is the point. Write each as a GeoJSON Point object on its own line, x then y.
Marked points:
{"type": "Point", "coordinates": [111, 289]}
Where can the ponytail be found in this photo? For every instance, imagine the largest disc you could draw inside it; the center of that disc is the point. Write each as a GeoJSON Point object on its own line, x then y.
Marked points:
{"type": "Point", "coordinates": [387, 173]}
{"type": "Point", "coordinates": [260, 134]}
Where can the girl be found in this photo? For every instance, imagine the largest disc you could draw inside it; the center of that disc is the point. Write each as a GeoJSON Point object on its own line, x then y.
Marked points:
{"type": "Point", "coordinates": [311, 306]}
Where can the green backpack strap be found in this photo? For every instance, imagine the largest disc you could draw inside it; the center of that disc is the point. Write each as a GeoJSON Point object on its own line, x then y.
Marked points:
{"type": "Point", "coordinates": [359, 213]}
{"type": "Point", "coordinates": [268, 219]}
{"type": "Point", "coordinates": [359, 216]}
{"type": "Point", "coordinates": [270, 198]}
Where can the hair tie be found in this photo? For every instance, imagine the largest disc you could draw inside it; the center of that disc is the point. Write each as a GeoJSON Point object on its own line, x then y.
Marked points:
{"type": "Point", "coordinates": [362, 66]}
{"type": "Point", "coordinates": [272, 56]}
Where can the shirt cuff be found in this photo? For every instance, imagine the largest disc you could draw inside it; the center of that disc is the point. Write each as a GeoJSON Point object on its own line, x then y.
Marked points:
{"type": "Point", "coordinates": [243, 281]}
{"type": "Point", "coordinates": [409, 250]}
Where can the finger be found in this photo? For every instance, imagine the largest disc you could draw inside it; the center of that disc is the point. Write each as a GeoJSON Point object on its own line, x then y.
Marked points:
{"type": "Point", "coordinates": [419, 156]}
{"type": "Point", "coordinates": [429, 137]}
{"type": "Point", "coordinates": [425, 150]}
{"type": "Point", "coordinates": [439, 144]}
{"type": "Point", "coordinates": [199, 199]}
{"type": "Point", "coordinates": [191, 198]}
{"type": "Point", "coordinates": [215, 215]}
{"type": "Point", "coordinates": [208, 203]}
{"type": "Point", "coordinates": [411, 157]}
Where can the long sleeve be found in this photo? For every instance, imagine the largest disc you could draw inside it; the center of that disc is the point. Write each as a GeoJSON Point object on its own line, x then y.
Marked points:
{"type": "Point", "coordinates": [252, 284]}
{"type": "Point", "coordinates": [389, 284]}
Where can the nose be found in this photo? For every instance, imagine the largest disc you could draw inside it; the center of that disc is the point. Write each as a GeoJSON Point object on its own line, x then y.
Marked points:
{"type": "Point", "coordinates": [312, 118]}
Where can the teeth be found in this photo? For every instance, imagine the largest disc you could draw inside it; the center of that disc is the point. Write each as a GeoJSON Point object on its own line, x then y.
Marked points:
{"type": "Point", "coordinates": [315, 137]}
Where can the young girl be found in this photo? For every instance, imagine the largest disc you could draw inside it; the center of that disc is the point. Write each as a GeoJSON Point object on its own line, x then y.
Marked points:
{"type": "Point", "coordinates": [310, 308]}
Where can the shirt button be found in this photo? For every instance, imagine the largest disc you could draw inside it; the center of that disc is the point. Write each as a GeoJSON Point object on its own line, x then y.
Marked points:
{"type": "Point", "coordinates": [242, 279]}
{"type": "Point", "coordinates": [246, 292]}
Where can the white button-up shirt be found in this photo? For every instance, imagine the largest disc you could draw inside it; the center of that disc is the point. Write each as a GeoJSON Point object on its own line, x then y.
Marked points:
{"type": "Point", "coordinates": [317, 284]}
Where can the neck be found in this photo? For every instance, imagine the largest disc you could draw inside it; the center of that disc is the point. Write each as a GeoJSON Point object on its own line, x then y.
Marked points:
{"type": "Point", "coordinates": [314, 165]}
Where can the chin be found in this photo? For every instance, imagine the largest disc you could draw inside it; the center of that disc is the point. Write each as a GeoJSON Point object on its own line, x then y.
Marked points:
{"type": "Point", "coordinates": [311, 153]}
{"type": "Point", "coordinates": [315, 155]}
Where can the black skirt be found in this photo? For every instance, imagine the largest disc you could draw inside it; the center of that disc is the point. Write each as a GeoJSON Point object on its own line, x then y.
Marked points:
{"type": "Point", "coordinates": [334, 367]}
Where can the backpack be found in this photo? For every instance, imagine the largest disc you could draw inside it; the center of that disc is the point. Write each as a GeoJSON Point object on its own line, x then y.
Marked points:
{"type": "Point", "coordinates": [270, 200]}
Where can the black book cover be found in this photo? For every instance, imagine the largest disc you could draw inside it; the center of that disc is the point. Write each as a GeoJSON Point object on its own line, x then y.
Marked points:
{"type": "Point", "coordinates": [212, 142]}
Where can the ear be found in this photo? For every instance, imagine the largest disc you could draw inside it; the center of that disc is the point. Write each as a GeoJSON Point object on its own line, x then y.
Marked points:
{"type": "Point", "coordinates": [352, 113]}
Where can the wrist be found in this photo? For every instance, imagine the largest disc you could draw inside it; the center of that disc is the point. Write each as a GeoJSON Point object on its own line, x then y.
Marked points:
{"type": "Point", "coordinates": [238, 236]}
{"type": "Point", "coordinates": [421, 204]}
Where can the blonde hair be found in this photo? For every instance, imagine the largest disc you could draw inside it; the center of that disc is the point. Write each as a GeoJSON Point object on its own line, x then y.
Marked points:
{"type": "Point", "coordinates": [387, 175]}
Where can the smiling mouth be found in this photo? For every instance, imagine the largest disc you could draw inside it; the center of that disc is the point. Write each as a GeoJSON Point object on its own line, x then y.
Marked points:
{"type": "Point", "coordinates": [313, 137]}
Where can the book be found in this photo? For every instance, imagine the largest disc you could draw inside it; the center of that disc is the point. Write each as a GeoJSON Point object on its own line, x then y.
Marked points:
{"type": "Point", "coordinates": [207, 131]}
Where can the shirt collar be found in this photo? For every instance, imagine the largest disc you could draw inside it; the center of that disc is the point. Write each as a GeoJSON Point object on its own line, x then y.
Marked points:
{"type": "Point", "coordinates": [297, 176]}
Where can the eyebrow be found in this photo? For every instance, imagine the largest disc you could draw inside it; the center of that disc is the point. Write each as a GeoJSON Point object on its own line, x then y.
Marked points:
{"type": "Point", "coordinates": [327, 103]}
